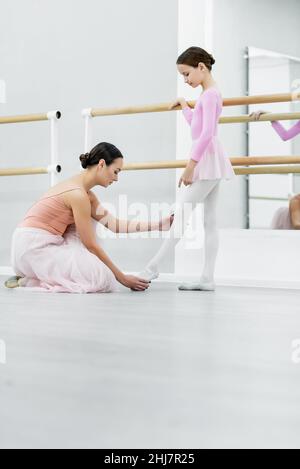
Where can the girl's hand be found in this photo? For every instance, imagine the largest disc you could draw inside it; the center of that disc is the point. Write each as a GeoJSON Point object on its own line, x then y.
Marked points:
{"type": "Point", "coordinates": [179, 102]}
{"type": "Point", "coordinates": [166, 223]}
{"type": "Point", "coordinates": [257, 114]}
{"type": "Point", "coordinates": [134, 283]}
{"type": "Point", "coordinates": [187, 176]}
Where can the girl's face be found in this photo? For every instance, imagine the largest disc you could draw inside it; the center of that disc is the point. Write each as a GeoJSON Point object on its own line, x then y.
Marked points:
{"type": "Point", "coordinates": [193, 76]}
{"type": "Point", "coordinates": [109, 174]}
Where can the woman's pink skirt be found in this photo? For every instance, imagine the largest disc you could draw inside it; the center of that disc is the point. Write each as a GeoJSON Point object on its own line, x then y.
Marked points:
{"type": "Point", "coordinates": [214, 164]}
{"type": "Point", "coordinates": [53, 263]}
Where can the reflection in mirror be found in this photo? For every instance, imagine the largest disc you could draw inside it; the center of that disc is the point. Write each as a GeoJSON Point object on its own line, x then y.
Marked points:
{"type": "Point", "coordinates": [269, 195]}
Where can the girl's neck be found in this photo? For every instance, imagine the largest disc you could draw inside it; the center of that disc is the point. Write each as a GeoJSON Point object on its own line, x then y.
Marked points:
{"type": "Point", "coordinates": [208, 82]}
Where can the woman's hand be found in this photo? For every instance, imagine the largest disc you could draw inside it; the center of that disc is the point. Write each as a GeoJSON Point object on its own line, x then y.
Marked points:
{"type": "Point", "coordinates": [257, 114]}
{"type": "Point", "coordinates": [166, 223]}
{"type": "Point", "coordinates": [134, 283]}
{"type": "Point", "coordinates": [187, 176]}
{"type": "Point", "coordinates": [179, 102]}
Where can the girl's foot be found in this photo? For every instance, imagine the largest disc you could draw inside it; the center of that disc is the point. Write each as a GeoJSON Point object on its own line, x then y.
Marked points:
{"type": "Point", "coordinates": [12, 282]}
{"type": "Point", "coordinates": [201, 286]}
{"type": "Point", "coordinates": [148, 275]}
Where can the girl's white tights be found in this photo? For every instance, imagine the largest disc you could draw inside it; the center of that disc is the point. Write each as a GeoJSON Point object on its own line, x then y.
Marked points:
{"type": "Point", "coordinates": [203, 191]}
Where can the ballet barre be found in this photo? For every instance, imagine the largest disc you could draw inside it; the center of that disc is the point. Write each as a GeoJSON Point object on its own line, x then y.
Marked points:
{"type": "Point", "coordinates": [242, 165]}
{"type": "Point", "coordinates": [30, 117]}
{"type": "Point", "coordinates": [267, 117]}
{"type": "Point", "coordinates": [235, 161]}
{"type": "Point", "coordinates": [89, 113]}
{"type": "Point", "coordinates": [30, 171]}
{"type": "Point", "coordinates": [164, 107]}
{"type": "Point", "coordinates": [292, 169]}
{"type": "Point", "coordinates": [54, 168]}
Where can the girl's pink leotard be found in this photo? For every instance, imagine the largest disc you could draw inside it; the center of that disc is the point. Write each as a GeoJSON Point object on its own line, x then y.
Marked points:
{"type": "Point", "coordinates": [286, 134]}
{"type": "Point", "coordinates": [207, 150]}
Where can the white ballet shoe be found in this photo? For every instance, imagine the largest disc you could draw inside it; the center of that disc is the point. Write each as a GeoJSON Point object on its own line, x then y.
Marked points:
{"type": "Point", "coordinates": [148, 275]}
{"type": "Point", "coordinates": [201, 286]}
{"type": "Point", "coordinates": [12, 282]}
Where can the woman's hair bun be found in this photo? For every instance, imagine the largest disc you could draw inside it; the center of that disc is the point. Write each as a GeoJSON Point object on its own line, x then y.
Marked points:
{"type": "Point", "coordinates": [84, 158]}
{"type": "Point", "coordinates": [212, 60]}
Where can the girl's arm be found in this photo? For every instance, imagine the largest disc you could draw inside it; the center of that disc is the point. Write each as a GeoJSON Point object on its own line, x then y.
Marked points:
{"type": "Point", "coordinates": [115, 225]}
{"type": "Point", "coordinates": [186, 110]}
{"type": "Point", "coordinates": [286, 134]}
{"type": "Point", "coordinates": [188, 114]}
{"type": "Point", "coordinates": [209, 109]}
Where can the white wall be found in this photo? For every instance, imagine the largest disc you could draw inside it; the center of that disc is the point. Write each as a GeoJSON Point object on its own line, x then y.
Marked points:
{"type": "Point", "coordinates": [71, 54]}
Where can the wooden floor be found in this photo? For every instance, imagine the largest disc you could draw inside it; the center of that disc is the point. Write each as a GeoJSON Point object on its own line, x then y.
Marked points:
{"type": "Point", "coordinates": [161, 369]}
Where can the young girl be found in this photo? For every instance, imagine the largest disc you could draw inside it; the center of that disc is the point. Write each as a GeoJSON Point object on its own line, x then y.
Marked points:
{"type": "Point", "coordinates": [207, 165]}
{"type": "Point", "coordinates": [285, 218]}
{"type": "Point", "coordinates": [55, 248]}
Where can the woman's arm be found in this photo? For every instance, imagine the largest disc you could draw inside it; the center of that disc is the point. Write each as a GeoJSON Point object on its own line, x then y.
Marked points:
{"type": "Point", "coordinates": [116, 225]}
{"type": "Point", "coordinates": [286, 134]}
{"type": "Point", "coordinates": [209, 110]}
{"type": "Point", "coordinates": [81, 208]}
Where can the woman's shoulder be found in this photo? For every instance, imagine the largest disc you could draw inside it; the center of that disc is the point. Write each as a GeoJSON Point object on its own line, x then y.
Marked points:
{"type": "Point", "coordinates": [61, 187]}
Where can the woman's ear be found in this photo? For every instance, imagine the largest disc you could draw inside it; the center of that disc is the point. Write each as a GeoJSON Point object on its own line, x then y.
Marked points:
{"type": "Point", "coordinates": [201, 66]}
{"type": "Point", "coordinates": [101, 164]}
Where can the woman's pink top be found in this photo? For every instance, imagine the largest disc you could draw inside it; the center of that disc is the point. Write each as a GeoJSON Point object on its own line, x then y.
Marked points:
{"type": "Point", "coordinates": [204, 120]}
{"type": "Point", "coordinates": [50, 214]}
{"type": "Point", "coordinates": [286, 134]}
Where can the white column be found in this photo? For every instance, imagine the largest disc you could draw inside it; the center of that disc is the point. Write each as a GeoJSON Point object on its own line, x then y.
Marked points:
{"type": "Point", "coordinates": [86, 114]}
{"type": "Point", "coordinates": [195, 28]}
{"type": "Point", "coordinates": [54, 167]}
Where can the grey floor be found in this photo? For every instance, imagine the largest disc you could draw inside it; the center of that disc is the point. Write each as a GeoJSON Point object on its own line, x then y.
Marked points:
{"type": "Point", "coordinates": [161, 369]}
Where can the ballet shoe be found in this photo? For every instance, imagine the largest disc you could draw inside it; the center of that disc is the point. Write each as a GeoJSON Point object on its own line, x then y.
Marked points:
{"type": "Point", "coordinates": [201, 286]}
{"type": "Point", "coordinates": [148, 275]}
{"type": "Point", "coordinates": [12, 282]}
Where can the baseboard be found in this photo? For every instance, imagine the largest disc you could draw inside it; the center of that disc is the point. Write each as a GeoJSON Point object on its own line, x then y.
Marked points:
{"type": "Point", "coordinates": [232, 282]}
{"type": "Point", "coordinates": [6, 270]}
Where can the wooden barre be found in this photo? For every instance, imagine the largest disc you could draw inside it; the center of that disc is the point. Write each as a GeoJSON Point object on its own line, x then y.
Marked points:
{"type": "Point", "coordinates": [268, 170]}
{"type": "Point", "coordinates": [163, 107]}
{"type": "Point", "coordinates": [29, 118]}
{"type": "Point", "coordinates": [169, 165]}
{"type": "Point", "coordinates": [253, 170]}
{"type": "Point", "coordinates": [263, 118]}
{"type": "Point", "coordinates": [23, 171]}
{"type": "Point", "coordinates": [235, 161]}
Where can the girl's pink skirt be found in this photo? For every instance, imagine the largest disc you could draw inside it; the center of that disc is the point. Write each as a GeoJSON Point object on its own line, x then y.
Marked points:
{"type": "Point", "coordinates": [214, 164]}
{"type": "Point", "coordinates": [53, 263]}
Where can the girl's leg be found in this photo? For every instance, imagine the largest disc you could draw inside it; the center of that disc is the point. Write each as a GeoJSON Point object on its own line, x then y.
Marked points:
{"type": "Point", "coordinates": [211, 244]}
{"type": "Point", "coordinates": [193, 194]}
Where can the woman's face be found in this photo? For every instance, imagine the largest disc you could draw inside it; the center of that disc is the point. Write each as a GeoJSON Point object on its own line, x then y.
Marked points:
{"type": "Point", "coordinates": [193, 76]}
{"type": "Point", "coordinates": [109, 174]}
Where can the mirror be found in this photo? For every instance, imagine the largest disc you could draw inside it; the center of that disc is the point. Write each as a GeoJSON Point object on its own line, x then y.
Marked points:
{"type": "Point", "coordinates": [268, 73]}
